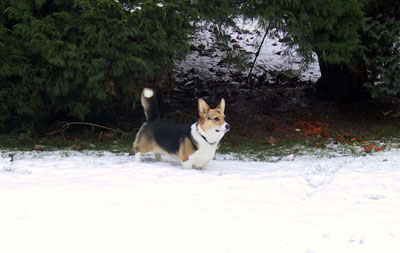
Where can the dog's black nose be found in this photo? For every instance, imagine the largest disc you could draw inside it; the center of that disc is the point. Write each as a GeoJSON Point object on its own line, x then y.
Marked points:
{"type": "Point", "coordinates": [227, 126]}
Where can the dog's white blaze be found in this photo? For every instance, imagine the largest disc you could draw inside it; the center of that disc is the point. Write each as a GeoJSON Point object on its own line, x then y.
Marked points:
{"type": "Point", "coordinates": [148, 93]}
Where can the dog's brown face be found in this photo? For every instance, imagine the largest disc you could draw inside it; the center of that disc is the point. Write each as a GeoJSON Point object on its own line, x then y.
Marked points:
{"type": "Point", "coordinates": [212, 120]}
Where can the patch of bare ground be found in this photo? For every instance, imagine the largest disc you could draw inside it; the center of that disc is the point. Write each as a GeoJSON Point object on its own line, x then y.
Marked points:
{"type": "Point", "coordinates": [281, 108]}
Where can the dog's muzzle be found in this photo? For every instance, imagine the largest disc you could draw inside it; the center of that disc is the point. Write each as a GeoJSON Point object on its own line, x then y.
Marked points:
{"type": "Point", "coordinates": [225, 129]}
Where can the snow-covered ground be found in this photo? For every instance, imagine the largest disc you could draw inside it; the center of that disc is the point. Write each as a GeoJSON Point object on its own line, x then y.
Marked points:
{"type": "Point", "coordinates": [248, 40]}
{"type": "Point", "coordinates": [68, 201]}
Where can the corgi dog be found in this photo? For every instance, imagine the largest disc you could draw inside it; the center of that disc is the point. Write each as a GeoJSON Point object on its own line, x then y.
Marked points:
{"type": "Point", "coordinates": [193, 144]}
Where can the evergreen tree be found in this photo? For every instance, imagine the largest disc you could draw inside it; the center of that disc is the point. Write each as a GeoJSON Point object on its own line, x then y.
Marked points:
{"type": "Point", "coordinates": [380, 52]}
{"type": "Point", "coordinates": [84, 59]}
{"type": "Point", "coordinates": [356, 41]}
{"type": "Point", "coordinates": [373, 68]}
{"type": "Point", "coordinates": [328, 28]}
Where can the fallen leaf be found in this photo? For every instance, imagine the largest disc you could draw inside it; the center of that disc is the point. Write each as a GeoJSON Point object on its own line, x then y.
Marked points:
{"type": "Point", "coordinates": [369, 148]}
{"type": "Point", "coordinates": [106, 135]}
{"type": "Point", "coordinates": [271, 140]}
{"type": "Point", "coordinates": [38, 147]}
{"type": "Point", "coordinates": [77, 146]}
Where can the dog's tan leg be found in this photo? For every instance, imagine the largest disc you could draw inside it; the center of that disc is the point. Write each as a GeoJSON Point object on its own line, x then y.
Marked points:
{"type": "Point", "coordinates": [144, 144]}
{"type": "Point", "coordinates": [186, 150]}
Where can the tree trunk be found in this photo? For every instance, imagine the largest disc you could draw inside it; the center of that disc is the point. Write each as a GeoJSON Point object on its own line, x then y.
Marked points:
{"type": "Point", "coordinates": [339, 83]}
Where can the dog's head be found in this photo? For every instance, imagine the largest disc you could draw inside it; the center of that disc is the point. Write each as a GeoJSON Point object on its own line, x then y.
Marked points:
{"type": "Point", "coordinates": [212, 121]}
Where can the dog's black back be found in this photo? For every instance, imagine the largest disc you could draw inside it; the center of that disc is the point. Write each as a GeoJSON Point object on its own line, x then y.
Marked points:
{"type": "Point", "coordinates": [169, 135]}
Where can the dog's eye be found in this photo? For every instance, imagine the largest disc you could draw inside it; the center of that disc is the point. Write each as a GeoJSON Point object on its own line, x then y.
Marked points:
{"type": "Point", "coordinates": [216, 119]}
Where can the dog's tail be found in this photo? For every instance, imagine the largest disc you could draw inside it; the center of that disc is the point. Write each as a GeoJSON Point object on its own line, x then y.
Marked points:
{"type": "Point", "coordinates": [150, 105]}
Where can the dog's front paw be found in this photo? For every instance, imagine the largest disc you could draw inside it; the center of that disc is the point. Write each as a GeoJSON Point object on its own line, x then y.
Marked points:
{"type": "Point", "coordinates": [204, 167]}
{"type": "Point", "coordinates": [187, 165]}
{"type": "Point", "coordinates": [138, 157]}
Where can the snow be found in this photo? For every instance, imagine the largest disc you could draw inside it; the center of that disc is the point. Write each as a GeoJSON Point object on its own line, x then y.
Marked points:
{"type": "Point", "coordinates": [68, 201]}
{"type": "Point", "coordinates": [271, 56]}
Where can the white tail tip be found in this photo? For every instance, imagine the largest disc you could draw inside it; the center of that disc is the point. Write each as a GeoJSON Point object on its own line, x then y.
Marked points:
{"type": "Point", "coordinates": [148, 93]}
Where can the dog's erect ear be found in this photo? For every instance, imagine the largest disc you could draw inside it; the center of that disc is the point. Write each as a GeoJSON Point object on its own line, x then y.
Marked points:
{"type": "Point", "coordinates": [203, 106]}
{"type": "Point", "coordinates": [222, 105]}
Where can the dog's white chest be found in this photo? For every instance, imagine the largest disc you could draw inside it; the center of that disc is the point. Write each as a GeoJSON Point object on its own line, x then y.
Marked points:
{"type": "Point", "coordinates": [205, 150]}
{"type": "Point", "coordinates": [202, 156]}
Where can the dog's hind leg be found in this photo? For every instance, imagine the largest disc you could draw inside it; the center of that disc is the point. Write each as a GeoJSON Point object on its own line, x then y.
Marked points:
{"type": "Point", "coordinates": [157, 156]}
{"type": "Point", "coordinates": [138, 157]}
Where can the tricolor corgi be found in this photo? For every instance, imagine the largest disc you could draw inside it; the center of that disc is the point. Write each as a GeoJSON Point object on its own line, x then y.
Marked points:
{"type": "Point", "coordinates": [193, 144]}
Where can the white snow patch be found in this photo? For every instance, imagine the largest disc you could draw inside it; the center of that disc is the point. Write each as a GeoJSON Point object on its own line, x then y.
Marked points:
{"type": "Point", "coordinates": [270, 57]}
{"type": "Point", "coordinates": [66, 201]}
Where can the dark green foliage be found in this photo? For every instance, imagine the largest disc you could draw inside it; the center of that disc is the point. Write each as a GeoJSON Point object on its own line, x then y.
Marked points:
{"type": "Point", "coordinates": [358, 41]}
{"type": "Point", "coordinates": [83, 59]}
{"type": "Point", "coordinates": [89, 59]}
{"type": "Point", "coordinates": [381, 47]}
{"type": "Point", "coordinates": [328, 28]}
